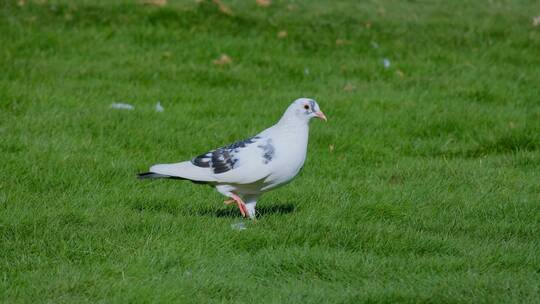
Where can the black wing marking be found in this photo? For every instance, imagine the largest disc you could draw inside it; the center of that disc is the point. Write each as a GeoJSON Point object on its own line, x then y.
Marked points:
{"type": "Point", "coordinates": [222, 159]}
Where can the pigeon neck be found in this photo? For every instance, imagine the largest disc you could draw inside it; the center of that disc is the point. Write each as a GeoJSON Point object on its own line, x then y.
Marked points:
{"type": "Point", "coordinates": [291, 119]}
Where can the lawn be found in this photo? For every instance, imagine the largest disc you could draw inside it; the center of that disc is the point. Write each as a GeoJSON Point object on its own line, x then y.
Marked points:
{"type": "Point", "coordinates": [423, 186]}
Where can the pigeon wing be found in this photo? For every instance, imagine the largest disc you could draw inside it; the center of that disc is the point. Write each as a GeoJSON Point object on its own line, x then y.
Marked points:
{"type": "Point", "coordinates": [242, 162]}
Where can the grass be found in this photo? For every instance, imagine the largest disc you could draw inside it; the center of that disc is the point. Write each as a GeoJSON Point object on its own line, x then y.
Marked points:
{"type": "Point", "coordinates": [422, 187]}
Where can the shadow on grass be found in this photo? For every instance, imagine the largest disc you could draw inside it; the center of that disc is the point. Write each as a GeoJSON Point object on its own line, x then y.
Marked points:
{"type": "Point", "coordinates": [261, 211]}
{"type": "Point", "coordinates": [173, 207]}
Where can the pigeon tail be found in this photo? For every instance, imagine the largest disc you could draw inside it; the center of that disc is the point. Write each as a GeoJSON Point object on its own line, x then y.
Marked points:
{"type": "Point", "coordinates": [153, 175]}
{"type": "Point", "coordinates": [146, 175]}
{"type": "Point", "coordinates": [183, 170]}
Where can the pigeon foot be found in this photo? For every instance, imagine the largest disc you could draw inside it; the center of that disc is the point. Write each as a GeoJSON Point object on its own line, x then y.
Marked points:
{"type": "Point", "coordinates": [239, 202]}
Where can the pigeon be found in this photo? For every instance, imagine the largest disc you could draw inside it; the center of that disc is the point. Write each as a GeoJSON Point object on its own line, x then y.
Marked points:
{"type": "Point", "coordinates": [244, 170]}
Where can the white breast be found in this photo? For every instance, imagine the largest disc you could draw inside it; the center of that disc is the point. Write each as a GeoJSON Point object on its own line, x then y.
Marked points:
{"type": "Point", "coordinates": [290, 155]}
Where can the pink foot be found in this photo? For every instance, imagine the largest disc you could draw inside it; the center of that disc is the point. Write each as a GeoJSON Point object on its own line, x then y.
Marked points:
{"type": "Point", "coordinates": [241, 204]}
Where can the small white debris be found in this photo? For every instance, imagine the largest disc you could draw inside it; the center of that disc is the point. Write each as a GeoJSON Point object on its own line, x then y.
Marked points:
{"type": "Point", "coordinates": [239, 226]}
{"type": "Point", "coordinates": [122, 106]}
{"type": "Point", "coordinates": [159, 107]}
{"type": "Point", "coordinates": [306, 71]}
{"type": "Point", "coordinates": [536, 21]}
{"type": "Point", "coordinates": [374, 45]}
{"type": "Point", "coordinates": [386, 63]}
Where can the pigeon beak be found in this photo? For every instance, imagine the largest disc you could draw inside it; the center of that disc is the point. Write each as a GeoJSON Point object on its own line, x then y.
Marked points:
{"type": "Point", "coordinates": [321, 115]}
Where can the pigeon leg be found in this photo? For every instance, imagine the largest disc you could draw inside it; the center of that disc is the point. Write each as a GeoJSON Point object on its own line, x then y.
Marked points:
{"type": "Point", "coordinates": [251, 202]}
{"type": "Point", "coordinates": [241, 204]}
{"type": "Point", "coordinates": [228, 202]}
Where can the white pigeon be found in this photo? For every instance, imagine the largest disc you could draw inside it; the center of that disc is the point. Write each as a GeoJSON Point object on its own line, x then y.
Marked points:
{"type": "Point", "coordinates": [246, 169]}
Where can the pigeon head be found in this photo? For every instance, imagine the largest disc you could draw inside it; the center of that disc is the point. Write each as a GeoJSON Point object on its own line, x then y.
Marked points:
{"type": "Point", "coordinates": [303, 109]}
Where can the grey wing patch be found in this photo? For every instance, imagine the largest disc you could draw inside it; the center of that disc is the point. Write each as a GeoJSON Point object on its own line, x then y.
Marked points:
{"type": "Point", "coordinates": [223, 159]}
{"type": "Point", "coordinates": [268, 151]}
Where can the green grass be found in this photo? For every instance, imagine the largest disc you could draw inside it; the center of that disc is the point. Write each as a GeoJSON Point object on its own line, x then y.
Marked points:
{"type": "Point", "coordinates": [431, 193]}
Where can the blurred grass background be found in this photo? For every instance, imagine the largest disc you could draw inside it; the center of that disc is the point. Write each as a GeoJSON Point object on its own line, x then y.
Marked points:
{"type": "Point", "coordinates": [422, 187]}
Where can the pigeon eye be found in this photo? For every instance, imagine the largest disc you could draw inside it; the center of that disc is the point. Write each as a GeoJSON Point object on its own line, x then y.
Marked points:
{"type": "Point", "coordinates": [306, 107]}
